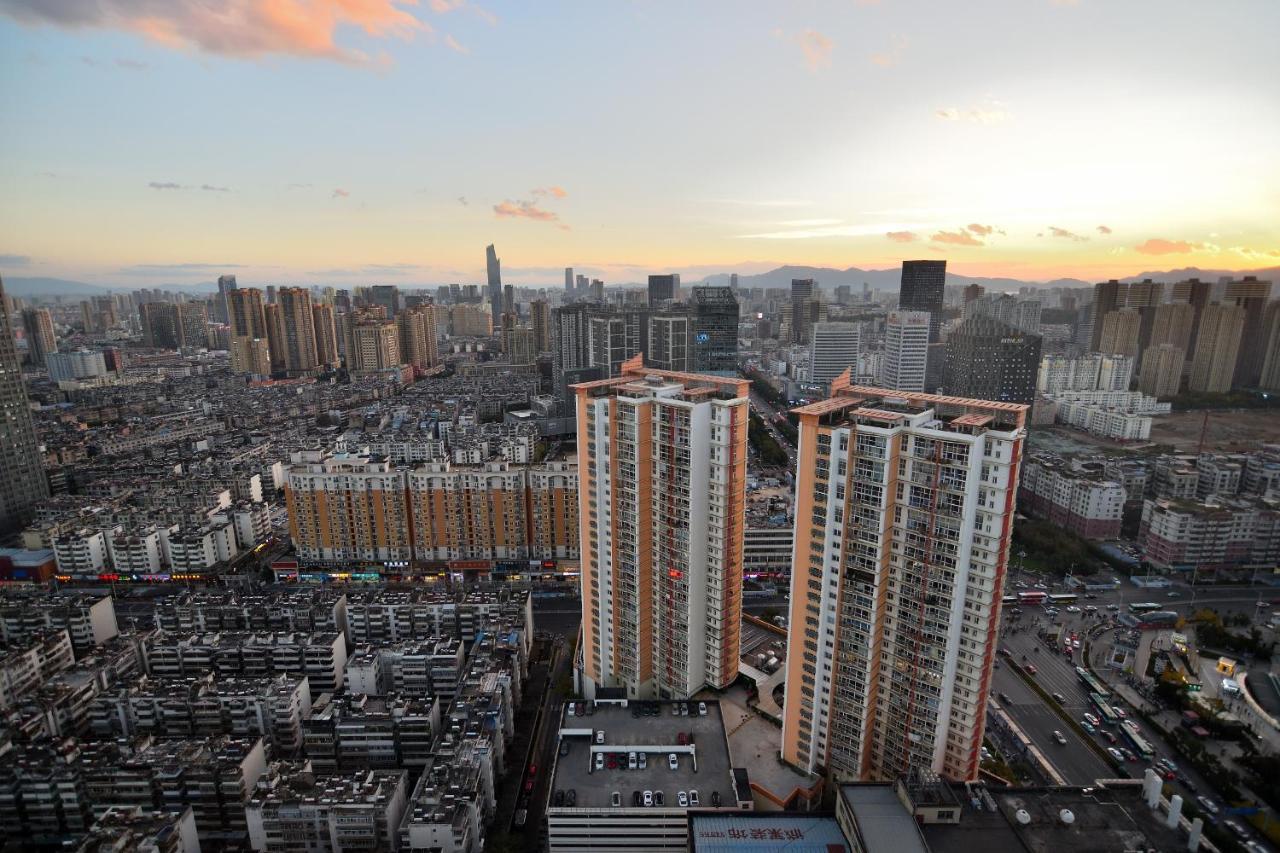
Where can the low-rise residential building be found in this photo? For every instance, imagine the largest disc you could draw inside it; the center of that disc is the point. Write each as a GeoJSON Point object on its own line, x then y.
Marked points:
{"type": "Point", "coordinates": [353, 733]}
{"type": "Point", "coordinates": [25, 666]}
{"type": "Point", "coordinates": [143, 830]}
{"type": "Point", "coordinates": [292, 809]}
{"type": "Point", "coordinates": [1079, 497]}
{"type": "Point", "coordinates": [89, 619]}
{"type": "Point", "coordinates": [1123, 415]}
{"type": "Point", "coordinates": [1218, 535]}
{"type": "Point", "coordinates": [320, 656]}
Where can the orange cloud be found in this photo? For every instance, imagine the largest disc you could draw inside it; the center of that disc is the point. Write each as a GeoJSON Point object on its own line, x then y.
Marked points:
{"type": "Point", "coordinates": [1055, 231]}
{"type": "Point", "coordinates": [956, 238]}
{"type": "Point", "coordinates": [453, 44]}
{"type": "Point", "coordinates": [341, 193]}
{"type": "Point", "coordinates": [890, 57]}
{"type": "Point", "coordinates": [520, 209]}
{"type": "Point", "coordinates": [903, 236]}
{"type": "Point", "coordinates": [981, 230]}
{"type": "Point", "coordinates": [1103, 229]}
{"type": "Point", "coordinates": [814, 45]}
{"type": "Point", "coordinates": [238, 28]}
{"type": "Point", "coordinates": [1159, 246]}
{"type": "Point", "coordinates": [558, 192]}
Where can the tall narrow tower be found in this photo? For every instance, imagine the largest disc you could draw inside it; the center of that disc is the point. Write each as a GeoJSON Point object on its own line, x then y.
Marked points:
{"type": "Point", "coordinates": [662, 469]}
{"type": "Point", "coordinates": [22, 479]}
{"type": "Point", "coordinates": [494, 268]}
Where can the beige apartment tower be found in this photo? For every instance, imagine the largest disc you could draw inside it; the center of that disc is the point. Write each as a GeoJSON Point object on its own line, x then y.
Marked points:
{"type": "Point", "coordinates": [418, 336]}
{"type": "Point", "coordinates": [326, 329]}
{"type": "Point", "coordinates": [298, 321]}
{"type": "Point", "coordinates": [1162, 370]}
{"type": "Point", "coordinates": [1217, 346]}
{"type": "Point", "coordinates": [1121, 332]}
{"type": "Point", "coordinates": [904, 511]}
{"type": "Point", "coordinates": [662, 459]}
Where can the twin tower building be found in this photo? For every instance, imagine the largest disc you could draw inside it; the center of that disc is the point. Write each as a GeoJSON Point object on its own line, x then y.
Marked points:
{"type": "Point", "coordinates": [903, 515]}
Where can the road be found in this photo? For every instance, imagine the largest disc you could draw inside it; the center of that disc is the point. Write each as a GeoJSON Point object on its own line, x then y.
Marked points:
{"type": "Point", "coordinates": [767, 414]}
{"type": "Point", "coordinates": [1077, 763]}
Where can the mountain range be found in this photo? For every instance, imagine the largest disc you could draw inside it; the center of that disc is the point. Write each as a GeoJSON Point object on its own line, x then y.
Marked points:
{"type": "Point", "coordinates": [828, 278]}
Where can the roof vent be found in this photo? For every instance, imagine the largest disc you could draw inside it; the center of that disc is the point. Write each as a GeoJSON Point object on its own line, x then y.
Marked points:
{"type": "Point", "coordinates": [1067, 817]}
{"type": "Point", "coordinates": [1023, 816]}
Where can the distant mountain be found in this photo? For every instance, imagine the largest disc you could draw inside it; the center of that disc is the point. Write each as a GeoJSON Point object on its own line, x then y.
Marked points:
{"type": "Point", "coordinates": [829, 278]}
{"type": "Point", "coordinates": [1267, 274]}
{"type": "Point", "coordinates": [19, 286]}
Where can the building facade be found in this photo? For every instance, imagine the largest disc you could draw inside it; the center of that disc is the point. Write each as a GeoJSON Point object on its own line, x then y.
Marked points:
{"type": "Point", "coordinates": [904, 510]}
{"type": "Point", "coordinates": [22, 478]}
{"type": "Point", "coordinates": [662, 470]}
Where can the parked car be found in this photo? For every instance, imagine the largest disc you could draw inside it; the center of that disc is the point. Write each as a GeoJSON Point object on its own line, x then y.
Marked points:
{"type": "Point", "coordinates": [1030, 668]}
{"type": "Point", "coordinates": [1084, 724]}
{"type": "Point", "coordinates": [648, 798]}
{"type": "Point", "coordinates": [693, 797]}
{"type": "Point", "coordinates": [599, 760]}
{"type": "Point", "coordinates": [1092, 720]}
{"type": "Point", "coordinates": [632, 761]}
{"type": "Point", "coordinates": [1115, 753]}
{"type": "Point", "coordinates": [564, 747]}
{"type": "Point", "coordinates": [1129, 754]}
{"type": "Point", "coordinates": [1059, 698]}
{"type": "Point", "coordinates": [673, 762]}
{"type": "Point", "coordinates": [635, 798]}
{"type": "Point", "coordinates": [644, 760]}
{"type": "Point", "coordinates": [1107, 736]}
{"type": "Point", "coordinates": [599, 735]}
{"type": "Point", "coordinates": [702, 709]}
{"type": "Point", "coordinates": [658, 799]}
{"type": "Point", "coordinates": [616, 799]}
{"type": "Point", "coordinates": [1060, 737]}
{"type": "Point", "coordinates": [682, 800]}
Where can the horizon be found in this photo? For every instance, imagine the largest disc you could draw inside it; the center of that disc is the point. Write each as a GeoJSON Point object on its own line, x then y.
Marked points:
{"type": "Point", "coordinates": [391, 140]}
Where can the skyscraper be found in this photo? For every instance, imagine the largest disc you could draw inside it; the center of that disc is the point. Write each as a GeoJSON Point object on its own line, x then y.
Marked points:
{"type": "Point", "coordinates": [568, 280]}
{"type": "Point", "coordinates": [1121, 332]}
{"type": "Point", "coordinates": [1173, 324]}
{"type": "Point", "coordinates": [540, 317]}
{"type": "Point", "coordinates": [1251, 295]}
{"type": "Point", "coordinates": [1162, 370]}
{"type": "Point", "coordinates": [1107, 297]}
{"type": "Point", "coordinates": [903, 516]}
{"type": "Point", "coordinates": [226, 287]}
{"type": "Point", "coordinates": [375, 345]}
{"type": "Point", "coordinates": [1217, 348]}
{"type": "Point", "coordinates": [662, 472]}
{"type": "Point", "coordinates": [159, 322]}
{"type": "Point", "coordinates": [22, 479]}
{"type": "Point", "coordinates": [248, 317]}
{"type": "Point", "coordinates": [37, 324]}
{"type": "Point", "coordinates": [806, 307]}
{"type": "Point", "coordinates": [906, 350]}
{"type": "Point", "coordinates": [299, 331]}
{"type": "Point", "coordinates": [714, 311]}
{"type": "Point", "coordinates": [987, 359]}
{"type": "Point", "coordinates": [326, 330]}
{"type": "Point", "coordinates": [662, 289]}
{"type": "Point", "coordinates": [922, 287]}
{"type": "Point", "coordinates": [191, 322]}
{"type": "Point", "coordinates": [274, 321]}
{"type": "Point", "coordinates": [418, 337]}
{"type": "Point", "coordinates": [493, 267]}
{"type": "Point", "coordinates": [833, 350]}
{"type": "Point", "coordinates": [386, 295]}
{"type": "Point", "coordinates": [1270, 380]}
{"type": "Point", "coordinates": [669, 341]}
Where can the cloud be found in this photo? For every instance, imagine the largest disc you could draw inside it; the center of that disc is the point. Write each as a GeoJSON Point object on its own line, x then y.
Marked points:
{"type": "Point", "coordinates": [765, 202]}
{"type": "Point", "coordinates": [341, 193]}
{"type": "Point", "coordinates": [1255, 254]}
{"type": "Point", "coordinates": [452, 43]}
{"type": "Point", "coordinates": [557, 192]}
{"type": "Point", "coordinates": [808, 223]}
{"type": "Point", "coordinates": [212, 189]}
{"type": "Point", "coordinates": [164, 185]}
{"type": "Point", "coordinates": [462, 200]}
{"type": "Point", "coordinates": [1160, 246]}
{"type": "Point", "coordinates": [981, 230]}
{"type": "Point", "coordinates": [956, 238]}
{"type": "Point", "coordinates": [847, 230]}
{"type": "Point", "coordinates": [814, 46]}
{"type": "Point", "coordinates": [521, 209]}
{"type": "Point", "coordinates": [132, 64]}
{"type": "Point", "coordinates": [245, 29]}
{"type": "Point", "coordinates": [903, 236]}
{"type": "Point", "coordinates": [485, 15]}
{"type": "Point", "coordinates": [176, 269]}
{"type": "Point", "coordinates": [988, 113]}
{"type": "Point", "coordinates": [889, 58]}
{"type": "Point", "coordinates": [1064, 234]}
{"type": "Point", "coordinates": [15, 261]}
{"type": "Point", "coordinates": [1103, 229]}
{"type": "Point", "coordinates": [297, 186]}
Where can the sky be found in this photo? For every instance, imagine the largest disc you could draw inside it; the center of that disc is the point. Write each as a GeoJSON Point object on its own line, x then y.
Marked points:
{"type": "Point", "coordinates": [353, 142]}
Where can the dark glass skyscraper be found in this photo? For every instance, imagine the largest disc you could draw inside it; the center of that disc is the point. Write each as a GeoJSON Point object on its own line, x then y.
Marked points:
{"type": "Point", "coordinates": [662, 288]}
{"type": "Point", "coordinates": [989, 359]}
{"type": "Point", "coordinates": [715, 330]}
{"type": "Point", "coordinates": [22, 480]}
{"type": "Point", "coordinates": [494, 267]}
{"type": "Point", "coordinates": [923, 283]}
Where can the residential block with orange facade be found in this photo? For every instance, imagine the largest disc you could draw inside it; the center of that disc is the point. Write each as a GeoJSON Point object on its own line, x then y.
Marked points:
{"type": "Point", "coordinates": [360, 507]}
{"type": "Point", "coordinates": [662, 462]}
{"type": "Point", "coordinates": [904, 510]}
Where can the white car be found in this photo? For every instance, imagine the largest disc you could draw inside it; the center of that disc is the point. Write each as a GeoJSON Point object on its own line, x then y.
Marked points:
{"type": "Point", "coordinates": [599, 736]}
{"type": "Point", "coordinates": [1060, 737]}
{"type": "Point", "coordinates": [702, 709]}
{"type": "Point", "coordinates": [1071, 608]}
{"type": "Point", "coordinates": [1208, 805]}
{"type": "Point", "coordinates": [693, 797]}
{"type": "Point", "coordinates": [1115, 753]}
{"type": "Point", "coordinates": [648, 798]}
{"type": "Point", "coordinates": [599, 760]}
{"type": "Point", "coordinates": [682, 800]}
{"type": "Point", "coordinates": [1093, 721]}
{"type": "Point", "coordinates": [673, 762]}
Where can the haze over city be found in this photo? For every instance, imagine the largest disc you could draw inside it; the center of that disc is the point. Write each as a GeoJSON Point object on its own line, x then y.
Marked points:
{"type": "Point", "coordinates": [326, 141]}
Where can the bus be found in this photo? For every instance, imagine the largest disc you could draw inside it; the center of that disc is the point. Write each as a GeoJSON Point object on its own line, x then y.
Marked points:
{"type": "Point", "coordinates": [1131, 733]}
{"type": "Point", "coordinates": [1009, 599]}
{"type": "Point", "coordinates": [1064, 598]}
{"type": "Point", "coordinates": [1032, 596]}
{"type": "Point", "coordinates": [1143, 606]}
{"type": "Point", "coordinates": [1105, 711]}
{"type": "Point", "coordinates": [1091, 684]}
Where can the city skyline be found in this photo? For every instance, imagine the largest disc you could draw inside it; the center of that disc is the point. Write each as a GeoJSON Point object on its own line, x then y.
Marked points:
{"type": "Point", "coordinates": [179, 145]}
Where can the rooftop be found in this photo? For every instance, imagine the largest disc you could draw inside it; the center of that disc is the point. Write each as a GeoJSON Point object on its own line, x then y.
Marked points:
{"type": "Point", "coordinates": [704, 766]}
{"type": "Point", "coordinates": [765, 832]}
